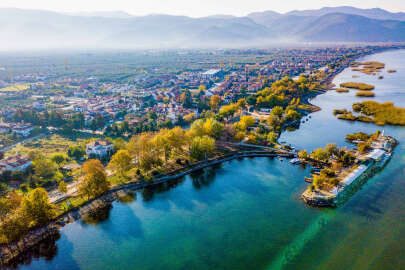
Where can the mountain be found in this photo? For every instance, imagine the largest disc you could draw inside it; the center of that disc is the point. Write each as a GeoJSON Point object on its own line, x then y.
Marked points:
{"type": "Point", "coordinates": [374, 13]}
{"type": "Point", "coordinates": [265, 17]}
{"type": "Point", "coordinates": [339, 27]}
{"type": "Point", "coordinates": [37, 29]}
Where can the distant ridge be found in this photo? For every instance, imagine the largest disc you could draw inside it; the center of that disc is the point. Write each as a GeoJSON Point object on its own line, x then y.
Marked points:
{"type": "Point", "coordinates": [38, 29]}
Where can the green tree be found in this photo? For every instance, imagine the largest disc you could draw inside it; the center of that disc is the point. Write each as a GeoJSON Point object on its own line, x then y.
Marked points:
{"type": "Point", "coordinates": [58, 158]}
{"type": "Point", "coordinates": [319, 154]}
{"type": "Point", "coordinates": [76, 152]}
{"type": "Point", "coordinates": [121, 162]}
{"type": "Point", "coordinates": [62, 187]}
{"type": "Point", "coordinates": [271, 137]}
{"type": "Point", "coordinates": [36, 207]}
{"type": "Point", "coordinates": [202, 147]}
{"type": "Point", "coordinates": [44, 168]}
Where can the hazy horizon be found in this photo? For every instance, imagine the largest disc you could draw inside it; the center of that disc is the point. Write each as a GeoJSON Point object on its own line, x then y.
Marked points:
{"type": "Point", "coordinates": [197, 8]}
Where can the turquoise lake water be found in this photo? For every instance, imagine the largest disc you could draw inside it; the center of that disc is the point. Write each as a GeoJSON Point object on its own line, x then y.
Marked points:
{"type": "Point", "coordinates": [247, 214]}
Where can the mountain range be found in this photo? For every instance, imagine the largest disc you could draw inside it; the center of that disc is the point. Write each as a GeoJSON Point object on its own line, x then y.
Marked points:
{"type": "Point", "coordinates": [38, 29]}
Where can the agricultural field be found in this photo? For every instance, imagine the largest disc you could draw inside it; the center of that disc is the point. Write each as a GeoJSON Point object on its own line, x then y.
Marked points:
{"type": "Point", "coordinates": [16, 87]}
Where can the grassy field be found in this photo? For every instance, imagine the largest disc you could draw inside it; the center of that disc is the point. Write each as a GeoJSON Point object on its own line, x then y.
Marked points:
{"type": "Point", "coordinates": [16, 88]}
{"type": "Point", "coordinates": [48, 145]}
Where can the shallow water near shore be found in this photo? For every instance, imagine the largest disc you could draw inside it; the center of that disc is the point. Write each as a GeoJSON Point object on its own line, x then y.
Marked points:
{"type": "Point", "coordinates": [247, 214]}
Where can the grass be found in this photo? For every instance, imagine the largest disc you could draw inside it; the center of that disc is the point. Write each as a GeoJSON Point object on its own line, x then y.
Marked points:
{"type": "Point", "coordinates": [48, 145]}
{"type": "Point", "coordinates": [356, 85]}
{"type": "Point", "coordinates": [391, 71]}
{"type": "Point", "coordinates": [16, 87]}
{"type": "Point", "coordinates": [365, 94]}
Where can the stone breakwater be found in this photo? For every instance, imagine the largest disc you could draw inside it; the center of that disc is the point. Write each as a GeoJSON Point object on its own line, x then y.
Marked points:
{"type": "Point", "coordinates": [9, 253]}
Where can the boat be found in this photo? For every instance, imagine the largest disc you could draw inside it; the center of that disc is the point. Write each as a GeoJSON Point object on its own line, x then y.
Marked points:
{"type": "Point", "coordinates": [280, 158]}
{"type": "Point", "coordinates": [308, 179]}
{"type": "Point", "coordinates": [295, 161]}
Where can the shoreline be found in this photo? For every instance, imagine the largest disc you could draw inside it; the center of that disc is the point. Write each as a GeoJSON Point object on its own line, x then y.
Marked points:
{"type": "Point", "coordinates": [12, 251]}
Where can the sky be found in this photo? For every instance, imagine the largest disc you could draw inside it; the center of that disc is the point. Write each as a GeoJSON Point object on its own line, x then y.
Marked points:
{"type": "Point", "coordinates": [196, 8]}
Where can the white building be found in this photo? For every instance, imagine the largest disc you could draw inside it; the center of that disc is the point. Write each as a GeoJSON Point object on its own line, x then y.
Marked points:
{"type": "Point", "coordinates": [99, 148]}
{"type": "Point", "coordinates": [23, 129]}
{"type": "Point", "coordinates": [211, 74]}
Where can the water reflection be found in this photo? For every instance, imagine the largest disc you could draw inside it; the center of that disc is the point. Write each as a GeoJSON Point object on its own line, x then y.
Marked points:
{"type": "Point", "coordinates": [203, 178]}
{"type": "Point", "coordinates": [97, 215]}
{"type": "Point", "coordinates": [46, 249]}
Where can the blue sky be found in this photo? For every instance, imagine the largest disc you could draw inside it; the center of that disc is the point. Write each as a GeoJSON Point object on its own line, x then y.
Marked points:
{"type": "Point", "coordinates": [196, 8]}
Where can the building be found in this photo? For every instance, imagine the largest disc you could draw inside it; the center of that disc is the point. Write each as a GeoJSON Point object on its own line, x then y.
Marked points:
{"type": "Point", "coordinates": [100, 148]}
{"type": "Point", "coordinates": [23, 129]}
{"type": "Point", "coordinates": [211, 74]}
{"type": "Point", "coordinates": [15, 163]}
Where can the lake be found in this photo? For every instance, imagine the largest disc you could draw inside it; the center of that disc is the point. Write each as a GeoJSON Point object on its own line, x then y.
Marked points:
{"type": "Point", "coordinates": [247, 214]}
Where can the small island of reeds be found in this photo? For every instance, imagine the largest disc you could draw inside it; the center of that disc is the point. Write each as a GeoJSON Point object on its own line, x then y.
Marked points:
{"type": "Point", "coordinates": [391, 71]}
{"type": "Point", "coordinates": [371, 67]}
{"type": "Point", "coordinates": [342, 90]}
{"type": "Point", "coordinates": [365, 94]}
{"type": "Point", "coordinates": [358, 86]}
{"type": "Point", "coordinates": [373, 112]}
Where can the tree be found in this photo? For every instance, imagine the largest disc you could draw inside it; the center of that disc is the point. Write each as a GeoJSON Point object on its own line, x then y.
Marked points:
{"type": "Point", "coordinates": [277, 111]}
{"type": "Point", "coordinates": [186, 99]}
{"type": "Point", "coordinates": [292, 115]}
{"type": "Point", "coordinates": [271, 137]}
{"type": "Point", "coordinates": [44, 168]}
{"type": "Point", "coordinates": [245, 122]}
{"type": "Point", "coordinates": [121, 161]}
{"type": "Point", "coordinates": [94, 182]}
{"type": "Point", "coordinates": [144, 149]}
{"type": "Point", "coordinates": [201, 147]}
{"type": "Point", "coordinates": [76, 152]}
{"type": "Point", "coordinates": [319, 154]}
{"type": "Point", "coordinates": [36, 207]}
{"type": "Point", "coordinates": [58, 158]}
{"type": "Point", "coordinates": [213, 128]}
{"type": "Point", "coordinates": [202, 88]}
{"type": "Point", "coordinates": [214, 102]}
{"type": "Point", "coordinates": [303, 154]}
{"type": "Point", "coordinates": [1, 155]}
{"type": "Point", "coordinates": [190, 117]}
{"type": "Point", "coordinates": [91, 166]}
{"type": "Point", "coordinates": [228, 110]}
{"type": "Point", "coordinates": [331, 149]}
{"type": "Point", "coordinates": [62, 187]}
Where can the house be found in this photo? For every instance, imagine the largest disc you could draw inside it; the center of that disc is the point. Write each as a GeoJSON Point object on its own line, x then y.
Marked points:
{"type": "Point", "coordinates": [5, 127]}
{"type": "Point", "coordinates": [15, 163]}
{"type": "Point", "coordinates": [100, 148]}
{"type": "Point", "coordinates": [23, 129]}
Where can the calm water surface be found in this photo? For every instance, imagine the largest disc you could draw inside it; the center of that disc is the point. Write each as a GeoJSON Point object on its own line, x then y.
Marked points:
{"type": "Point", "coordinates": [247, 214]}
